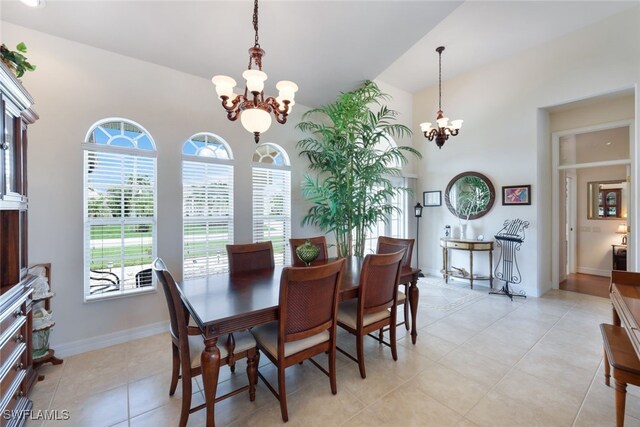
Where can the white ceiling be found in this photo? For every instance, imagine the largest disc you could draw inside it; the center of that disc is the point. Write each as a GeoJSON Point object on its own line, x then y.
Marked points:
{"type": "Point", "coordinates": [324, 46]}
{"type": "Point", "coordinates": [481, 32]}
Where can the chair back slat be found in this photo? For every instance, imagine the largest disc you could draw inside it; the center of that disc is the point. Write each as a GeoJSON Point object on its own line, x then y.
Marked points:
{"type": "Point", "coordinates": [320, 241]}
{"type": "Point", "coordinates": [387, 245]}
{"type": "Point", "coordinates": [379, 281]}
{"type": "Point", "coordinates": [309, 299]}
{"type": "Point", "coordinates": [249, 257]}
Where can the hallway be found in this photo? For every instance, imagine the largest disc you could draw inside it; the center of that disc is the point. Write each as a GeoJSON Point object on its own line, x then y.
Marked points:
{"type": "Point", "coordinates": [587, 284]}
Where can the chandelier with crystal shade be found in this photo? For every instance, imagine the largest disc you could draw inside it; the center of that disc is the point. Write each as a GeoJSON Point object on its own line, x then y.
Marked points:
{"type": "Point", "coordinates": [443, 129]}
{"type": "Point", "coordinates": [251, 106]}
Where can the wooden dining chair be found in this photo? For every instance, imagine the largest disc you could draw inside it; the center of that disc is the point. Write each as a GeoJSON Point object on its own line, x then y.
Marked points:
{"type": "Point", "coordinates": [319, 241]}
{"type": "Point", "coordinates": [388, 245]}
{"type": "Point", "coordinates": [306, 324]}
{"type": "Point", "coordinates": [376, 306]}
{"type": "Point", "coordinates": [250, 256]}
{"type": "Point", "coordinates": [188, 343]}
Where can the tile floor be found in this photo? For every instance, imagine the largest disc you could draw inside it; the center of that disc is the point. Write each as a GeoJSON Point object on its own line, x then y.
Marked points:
{"type": "Point", "coordinates": [483, 361]}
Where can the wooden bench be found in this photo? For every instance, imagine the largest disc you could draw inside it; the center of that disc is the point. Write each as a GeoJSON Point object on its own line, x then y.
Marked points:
{"type": "Point", "coordinates": [619, 354]}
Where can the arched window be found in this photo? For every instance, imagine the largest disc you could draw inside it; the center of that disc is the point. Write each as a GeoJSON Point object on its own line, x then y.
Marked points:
{"type": "Point", "coordinates": [119, 209]}
{"type": "Point", "coordinates": [272, 199]}
{"type": "Point", "coordinates": [396, 223]}
{"type": "Point", "coordinates": [207, 200]}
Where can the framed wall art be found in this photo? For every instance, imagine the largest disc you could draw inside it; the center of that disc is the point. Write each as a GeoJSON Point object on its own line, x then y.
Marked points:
{"type": "Point", "coordinates": [432, 198]}
{"type": "Point", "coordinates": [516, 195]}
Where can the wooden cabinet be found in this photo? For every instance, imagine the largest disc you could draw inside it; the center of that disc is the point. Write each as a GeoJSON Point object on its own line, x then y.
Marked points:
{"type": "Point", "coordinates": [16, 370]}
{"type": "Point", "coordinates": [619, 259]}
{"type": "Point", "coordinates": [16, 363]}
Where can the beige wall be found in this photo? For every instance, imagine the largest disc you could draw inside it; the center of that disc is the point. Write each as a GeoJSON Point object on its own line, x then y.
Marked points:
{"type": "Point", "coordinates": [506, 133]}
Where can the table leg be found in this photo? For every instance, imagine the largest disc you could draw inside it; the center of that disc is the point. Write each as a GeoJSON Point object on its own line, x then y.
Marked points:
{"type": "Point", "coordinates": [491, 269]}
{"type": "Point", "coordinates": [445, 262]}
{"type": "Point", "coordinates": [471, 269]}
{"type": "Point", "coordinates": [615, 317]}
{"type": "Point", "coordinates": [210, 360]}
{"type": "Point", "coordinates": [414, 295]}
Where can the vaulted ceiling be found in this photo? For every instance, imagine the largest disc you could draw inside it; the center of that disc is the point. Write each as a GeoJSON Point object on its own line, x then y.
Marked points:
{"type": "Point", "coordinates": [324, 46]}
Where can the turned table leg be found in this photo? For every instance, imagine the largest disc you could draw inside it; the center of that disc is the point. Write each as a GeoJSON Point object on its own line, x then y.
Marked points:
{"type": "Point", "coordinates": [621, 396]}
{"type": "Point", "coordinates": [445, 265]}
{"type": "Point", "coordinates": [210, 360]}
{"type": "Point", "coordinates": [471, 269]}
{"type": "Point", "coordinates": [614, 316]}
{"type": "Point", "coordinates": [414, 294]}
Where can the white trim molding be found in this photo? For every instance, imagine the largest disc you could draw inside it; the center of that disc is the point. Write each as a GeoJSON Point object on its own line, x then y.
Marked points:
{"type": "Point", "coordinates": [594, 271]}
{"type": "Point", "coordinates": [106, 340]}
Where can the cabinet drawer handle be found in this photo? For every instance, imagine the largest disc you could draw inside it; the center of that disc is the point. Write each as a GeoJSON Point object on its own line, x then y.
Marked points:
{"type": "Point", "coordinates": [19, 338]}
{"type": "Point", "coordinates": [19, 366]}
{"type": "Point", "coordinates": [19, 394]}
{"type": "Point", "coordinates": [18, 313]}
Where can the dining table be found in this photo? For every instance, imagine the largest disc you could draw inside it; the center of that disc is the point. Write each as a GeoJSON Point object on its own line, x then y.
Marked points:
{"type": "Point", "coordinates": [224, 303]}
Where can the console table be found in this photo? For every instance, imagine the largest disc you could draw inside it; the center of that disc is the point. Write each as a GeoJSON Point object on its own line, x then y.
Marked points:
{"type": "Point", "coordinates": [470, 246]}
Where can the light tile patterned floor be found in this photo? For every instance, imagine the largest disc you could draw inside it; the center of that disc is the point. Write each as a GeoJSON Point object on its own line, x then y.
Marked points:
{"type": "Point", "coordinates": [480, 360]}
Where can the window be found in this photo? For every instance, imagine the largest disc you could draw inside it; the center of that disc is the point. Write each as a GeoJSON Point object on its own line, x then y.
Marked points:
{"type": "Point", "coordinates": [207, 200]}
{"type": "Point", "coordinates": [609, 203]}
{"type": "Point", "coordinates": [396, 225]}
{"type": "Point", "coordinates": [272, 199]}
{"type": "Point", "coordinates": [119, 209]}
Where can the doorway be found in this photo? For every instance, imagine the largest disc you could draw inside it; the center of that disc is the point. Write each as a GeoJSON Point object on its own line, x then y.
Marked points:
{"type": "Point", "coordinates": [592, 193]}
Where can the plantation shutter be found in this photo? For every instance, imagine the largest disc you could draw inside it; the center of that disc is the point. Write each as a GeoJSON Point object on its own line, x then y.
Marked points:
{"type": "Point", "coordinates": [272, 210]}
{"type": "Point", "coordinates": [120, 223]}
{"type": "Point", "coordinates": [396, 223]}
{"type": "Point", "coordinates": [207, 217]}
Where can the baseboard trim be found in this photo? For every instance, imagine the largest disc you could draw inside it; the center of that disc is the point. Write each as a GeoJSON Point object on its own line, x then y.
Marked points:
{"type": "Point", "coordinates": [432, 272]}
{"type": "Point", "coordinates": [106, 340]}
{"type": "Point", "coordinates": [594, 271]}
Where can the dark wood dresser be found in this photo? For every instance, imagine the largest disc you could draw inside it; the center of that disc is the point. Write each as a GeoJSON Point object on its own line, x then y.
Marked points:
{"type": "Point", "coordinates": [17, 375]}
{"type": "Point", "coordinates": [619, 257]}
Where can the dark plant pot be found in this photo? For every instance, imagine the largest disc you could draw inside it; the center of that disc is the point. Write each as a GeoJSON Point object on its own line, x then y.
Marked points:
{"type": "Point", "coordinates": [10, 65]}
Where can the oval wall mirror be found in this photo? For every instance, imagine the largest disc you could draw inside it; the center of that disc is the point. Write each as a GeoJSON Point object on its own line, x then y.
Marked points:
{"type": "Point", "coordinates": [470, 195]}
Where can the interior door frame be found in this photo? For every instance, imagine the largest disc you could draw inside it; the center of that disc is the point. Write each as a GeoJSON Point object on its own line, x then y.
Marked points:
{"type": "Point", "coordinates": [632, 212]}
{"type": "Point", "coordinates": [571, 218]}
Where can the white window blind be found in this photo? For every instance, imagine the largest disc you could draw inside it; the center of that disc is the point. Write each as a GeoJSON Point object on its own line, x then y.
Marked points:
{"type": "Point", "coordinates": [208, 217]}
{"type": "Point", "coordinates": [120, 221]}
{"type": "Point", "coordinates": [396, 225]}
{"type": "Point", "coordinates": [272, 210]}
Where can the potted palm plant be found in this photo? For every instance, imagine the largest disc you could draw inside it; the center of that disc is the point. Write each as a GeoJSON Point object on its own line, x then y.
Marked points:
{"type": "Point", "coordinates": [351, 190]}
